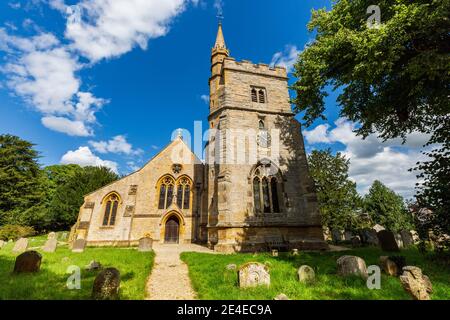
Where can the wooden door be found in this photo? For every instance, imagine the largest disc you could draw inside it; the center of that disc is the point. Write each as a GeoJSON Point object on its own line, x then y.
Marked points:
{"type": "Point", "coordinates": [172, 233]}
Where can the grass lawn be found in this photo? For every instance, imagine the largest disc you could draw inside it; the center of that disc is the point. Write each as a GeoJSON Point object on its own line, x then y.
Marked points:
{"type": "Point", "coordinates": [212, 281]}
{"type": "Point", "coordinates": [50, 282]}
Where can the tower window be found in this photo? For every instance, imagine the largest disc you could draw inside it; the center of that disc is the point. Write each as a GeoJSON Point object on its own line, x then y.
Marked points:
{"type": "Point", "coordinates": [262, 96]}
{"type": "Point", "coordinates": [266, 189]}
{"type": "Point", "coordinates": [258, 95]}
{"type": "Point", "coordinates": [254, 95]}
{"type": "Point", "coordinates": [262, 126]}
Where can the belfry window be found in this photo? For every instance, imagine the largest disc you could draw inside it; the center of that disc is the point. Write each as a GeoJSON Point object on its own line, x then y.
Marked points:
{"type": "Point", "coordinates": [111, 207]}
{"type": "Point", "coordinates": [254, 95]}
{"type": "Point", "coordinates": [258, 95]}
{"type": "Point", "coordinates": [262, 96]}
{"type": "Point", "coordinates": [184, 186]}
{"type": "Point", "coordinates": [266, 189]}
{"type": "Point", "coordinates": [166, 192]}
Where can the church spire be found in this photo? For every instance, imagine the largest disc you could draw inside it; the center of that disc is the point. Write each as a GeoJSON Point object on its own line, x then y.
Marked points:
{"type": "Point", "coordinates": [220, 40]}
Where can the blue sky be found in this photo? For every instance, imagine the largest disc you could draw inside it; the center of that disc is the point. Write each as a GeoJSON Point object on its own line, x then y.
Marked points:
{"type": "Point", "coordinates": [107, 82]}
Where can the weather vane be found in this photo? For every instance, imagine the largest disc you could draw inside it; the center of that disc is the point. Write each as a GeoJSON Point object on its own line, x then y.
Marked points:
{"type": "Point", "coordinates": [220, 16]}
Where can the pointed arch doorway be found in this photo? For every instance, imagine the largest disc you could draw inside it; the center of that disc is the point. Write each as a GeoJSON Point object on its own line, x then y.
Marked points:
{"type": "Point", "coordinates": [172, 230]}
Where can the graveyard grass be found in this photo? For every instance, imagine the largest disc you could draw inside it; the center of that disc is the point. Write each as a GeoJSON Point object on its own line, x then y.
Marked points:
{"type": "Point", "coordinates": [50, 282]}
{"type": "Point", "coordinates": [213, 281]}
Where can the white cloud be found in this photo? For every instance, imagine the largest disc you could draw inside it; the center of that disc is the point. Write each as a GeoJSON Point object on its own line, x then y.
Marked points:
{"type": "Point", "coordinates": [286, 58]}
{"type": "Point", "coordinates": [205, 98]}
{"type": "Point", "coordinates": [84, 157]}
{"type": "Point", "coordinates": [67, 126]}
{"type": "Point", "coordinates": [118, 144]}
{"type": "Point", "coordinates": [372, 159]}
{"type": "Point", "coordinates": [102, 29]}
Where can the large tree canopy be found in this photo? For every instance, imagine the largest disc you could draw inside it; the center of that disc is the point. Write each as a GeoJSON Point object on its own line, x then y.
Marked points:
{"type": "Point", "coordinates": [394, 78]}
{"type": "Point", "coordinates": [338, 199]}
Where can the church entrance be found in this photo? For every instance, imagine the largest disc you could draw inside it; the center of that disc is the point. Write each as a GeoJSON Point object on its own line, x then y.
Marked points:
{"type": "Point", "coordinates": [172, 233]}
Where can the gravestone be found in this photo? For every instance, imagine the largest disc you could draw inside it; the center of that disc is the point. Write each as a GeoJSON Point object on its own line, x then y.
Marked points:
{"type": "Point", "coordinates": [93, 266]}
{"type": "Point", "coordinates": [79, 245]}
{"type": "Point", "coordinates": [63, 236]}
{"type": "Point", "coordinates": [274, 253]}
{"type": "Point", "coordinates": [50, 245]}
{"type": "Point", "coordinates": [351, 265]}
{"type": "Point", "coordinates": [145, 244]}
{"type": "Point", "coordinates": [356, 241]}
{"type": "Point", "coordinates": [387, 241]}
{"type": "Point", "coordinates": [52, 235]}
{"type": "Point", "coordinates": [253, 274]}
{"type": "Point", "coordinates": [407, 238]}
{"type": "Point", "coordinates": [2, 244]}
{"type": "Point", "coordinates": [21, 245]}
{"type": "Point", "coordinates": [336, 235]}
{"type": "Point", "coordinates": [107, 285]}
{"type": "Point", "coordinates": [231, 267]}
{"type": "Point", "coordinates": [27, 262]}
{"type": "Point", "coordinates": [389, 266]}
{"type": "Point", "coordinates": [295, 252]}
{"type": "Point", "coordinates": [348, 235]}
{"type": "Point", "coordinates": [378, 228]}
{"type": "Point", "coordinates": [306, 274]}
{"type": "Point", "coordinates": [327, 234]}
{"type": "Point", "coordinates": [371, 237]}
{"type": "Point", "coordinates": [399, 240]}
{"type": "Point", "coordinates": [416, 283]}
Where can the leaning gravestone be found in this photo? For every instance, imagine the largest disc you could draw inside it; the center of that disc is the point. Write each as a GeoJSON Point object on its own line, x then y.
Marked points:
{"type": "Point", "coordinates": [107, 285]}
{"type": "Point", "coordinates": [2, 243]}
{"type": "Point", "coordinates": [407, 238]}
{"type": "Point", "coordinates": [253, 274]}
{"type": "Point", "coordinates": [29, 261]}
{"type": "Point", "coordinates": [306, 274]}
{"type": "Point", "coordinates": [52, 235]}
{"type": "Point", "coordinates": [351, 265]}
{"type": "Point", "coordinates": [79, 245]}
{"type": "Point", "coordinates": [21, 245]}
{"type": "Point", "coordinates": [145, 244]}
{"type": "Point", "coordinates": [387, 241]}
{"type": "Point", "coordinates": [50, 245]}
{"type": "Point", "coordinates": [416, 283]}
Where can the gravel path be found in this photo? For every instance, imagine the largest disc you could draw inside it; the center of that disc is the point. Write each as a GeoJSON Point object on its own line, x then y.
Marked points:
{"type": "Point", "coordinates": [169, 279]}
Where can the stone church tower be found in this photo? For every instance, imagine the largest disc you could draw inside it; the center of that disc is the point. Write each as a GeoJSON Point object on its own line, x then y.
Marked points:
{"type": "Point", "coordinates": [258, 191]}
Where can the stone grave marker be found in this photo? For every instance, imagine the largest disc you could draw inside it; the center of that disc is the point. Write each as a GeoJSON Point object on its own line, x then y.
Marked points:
{"type": "Point", "coordinates": [253, 274]}
{"type": "Point", "coordinates": [407, 238]}
{"type": "Point", "coordinates": [145, 244]}
{"type": "Point", "coordinates": [416, 283]}
{"type": "Point", "coordinates": [107, 285]}
{"type": "Point", "coordinates": [399, 240]}
{"type": "Point", "coordinates": [336, 235]}
{"type": "Point", "coordinates": [52, 235]}
{"type": "Point", "coordinates": [79, 245]}
{"type": "Point", "coordinates": [21, 245]}
{"type": "Point", "coordinates": [28, 262]}
{"type": "Point", "coordinates": [378, 228]}
{"type": "Point", "coordinates": [348, 235]}
{"type": "Point", "coordinates": [351, 265]}
{"type": "Point", "coordinates": [306, 274]}
{"type": "Point", "coordinates": [387, 241]}
{"type": "Point", "coordinates": [50, 245]}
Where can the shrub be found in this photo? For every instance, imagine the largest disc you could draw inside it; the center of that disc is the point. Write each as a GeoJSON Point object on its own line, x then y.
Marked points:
{"type": "Point", "coordinates": [14, 232]}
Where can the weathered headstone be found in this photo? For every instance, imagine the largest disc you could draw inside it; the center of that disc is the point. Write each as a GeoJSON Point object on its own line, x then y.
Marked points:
{"type": "Point", "coordinates": [145, 244]}
{"type": "Point", "coordinates": [378, 228]}
{"type": "Point", "coordinates": [336, 235]}
{"type": "Point", "coordinates": [281, 296]}
{"type": "Point", "coordinates": [306, 274]}
{"type": "Point", "coordinates": [93, 266]}
{"type": "Point", "coordinates": [50, 245]}
{"type": "Point", "coordinates": [369, 236]}
{"type": "Point", "coordinates": [416, 283]}
{"type": "Point", "coordinates": [407, 238]}
{"type": "Point", "coordinates": [63, 236]}
{"type": "Point", "coordinates": [231, 267]}
{"type": "Point", "coordinates": [389, 266]}
{"type": "Point", "coordinates": [52, 235]}
{"type": "Point", "coordinates": [387, 241]}
{"type": "Point", "coordinates": [79, 245]}
{"type": "Point", "coordinates": [107, 285]}
{"type": "Point", "coordinates": [351, 265]}
{"type": "Point", "coordinates": [348, 235]}
{"type": "Point", "coordinates": [399, 240]}
{"type": "Point", "coordinates": [274, 253]}
{"type": "Point", "coordinates": [356, 241]}
{"type": "Point", "coordinates": [21, 245]}
{"type": "Point", "coordinates": [253, 274]}
{"type": "Point", "coordinates": [2, 244]}
{"type": "Point", "coordinates": [295, 252]}
{"type": "Point", "coordinates": [29, 261]}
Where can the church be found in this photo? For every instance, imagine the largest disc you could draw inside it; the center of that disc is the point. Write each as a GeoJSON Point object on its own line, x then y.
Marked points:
{"type": "Point", "coordinates": [253, 190]}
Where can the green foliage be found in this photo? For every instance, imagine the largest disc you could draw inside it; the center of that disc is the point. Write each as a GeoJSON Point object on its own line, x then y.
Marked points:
{"type": "Point", "coordinates": [20, 179]}
{"type": "Point", "coordinates": [338, 199]}
{"type": "Point", "coordinates": [395, 78]}
{"type": "Point", "coordinates": [387, 208]}
{"type": "Point", "coordinates": [69, 197]}
{"type": "Point", "coordinates": [14, 232]}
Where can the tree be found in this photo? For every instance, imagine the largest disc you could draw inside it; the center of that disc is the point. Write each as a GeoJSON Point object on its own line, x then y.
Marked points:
{"type": "Point", "coordinates": [395, 78]}
{"type": "Point", "coordinates": [338, 199]}
{"type": "Point", "coordinates": [20, 180]}
{"type": "Point", "coordinates": [387, 208]}
{"type": "Point", "coordinates": [69, 196]}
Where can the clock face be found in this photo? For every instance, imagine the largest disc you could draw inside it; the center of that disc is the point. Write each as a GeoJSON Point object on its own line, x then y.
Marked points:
{"type": "Point", "coordinates": [264, 139]}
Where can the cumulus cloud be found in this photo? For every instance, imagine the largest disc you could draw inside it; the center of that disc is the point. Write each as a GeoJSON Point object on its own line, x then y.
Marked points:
{"type": "Point", "coordinates": [374, 159]}
{"type": "Point", "coordinates": [84, 157]}
{"type": "Point", "coordinates": [69, 127]}
{"type": "Point", "coordinates": [118, 144]}
{"type": "Point", "coordinates": [286, 58]}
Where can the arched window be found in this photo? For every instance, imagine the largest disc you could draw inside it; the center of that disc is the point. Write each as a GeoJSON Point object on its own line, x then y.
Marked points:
{"type": "Point", "coordinates": [166, 192]}
{"type": "Point", "coordinates": [184, 193]}
{"type": "Point", "coordinates": [111, 205]}
{"type": "Point", "coordinates": [254, 95]}
{"type": "Point", "coordinates": [266, 188]}
{"type": "Point", "coordinates": [262, 126]}
{"type": "Point", "coordinates": [262, 96]}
